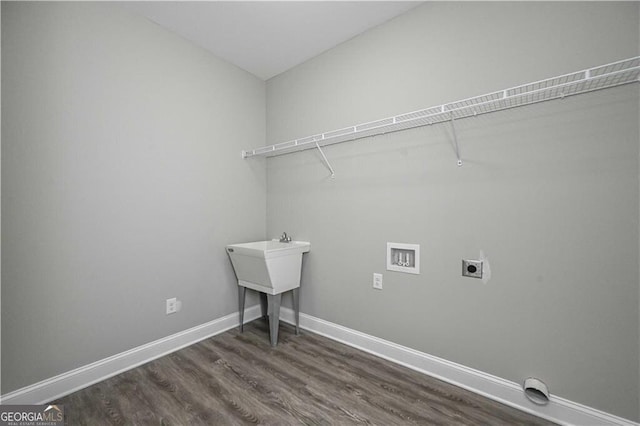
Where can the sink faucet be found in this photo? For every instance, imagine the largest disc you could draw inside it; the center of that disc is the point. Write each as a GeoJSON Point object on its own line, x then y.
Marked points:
{"type": "Point", "coordinates": [285, 238]}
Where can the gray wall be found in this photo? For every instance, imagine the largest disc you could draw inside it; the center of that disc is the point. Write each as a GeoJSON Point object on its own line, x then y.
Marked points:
{"type": "Point", "coordinates": [120, 175]}
{"type": "Point", "coordinates": [549, 192]}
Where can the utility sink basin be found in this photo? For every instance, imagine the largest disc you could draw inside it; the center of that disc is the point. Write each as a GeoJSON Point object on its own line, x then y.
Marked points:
{"type": "Point", "coordinates": [271, 267]}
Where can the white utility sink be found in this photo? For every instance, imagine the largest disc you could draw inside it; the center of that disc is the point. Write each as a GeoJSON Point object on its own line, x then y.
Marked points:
{"type": "Point", "coordinates": [271, 267]}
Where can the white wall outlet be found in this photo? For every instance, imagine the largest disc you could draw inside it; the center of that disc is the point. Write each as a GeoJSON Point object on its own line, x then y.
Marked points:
{"type": "Point", "coordinates": [377, 281]}
{"type": "Point", "coordinates": [172, 306]}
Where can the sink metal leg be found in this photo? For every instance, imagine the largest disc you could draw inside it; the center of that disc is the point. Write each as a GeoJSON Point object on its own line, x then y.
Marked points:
{"type": "Point", "coordinates": [263, 304]}
{"type": "Point", "coordinates": [274, 317]}
{"type": "Point", "coordinates": [296, 307]}
{"type": "Point", "coordinates": [242, 292]}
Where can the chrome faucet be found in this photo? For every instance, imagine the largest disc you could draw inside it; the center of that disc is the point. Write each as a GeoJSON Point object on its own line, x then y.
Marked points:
{"type": "Point", "coordinates": [285, 238]}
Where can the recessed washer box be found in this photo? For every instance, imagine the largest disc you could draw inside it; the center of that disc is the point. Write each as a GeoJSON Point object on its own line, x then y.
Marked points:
{"type": "Point", "coordinates": [403, 257]}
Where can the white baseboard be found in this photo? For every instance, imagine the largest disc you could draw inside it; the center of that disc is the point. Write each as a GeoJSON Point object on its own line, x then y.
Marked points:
{"type": "Point", "coordinates": [71, 381]}
{"type": "Point", "coordinates": [559, 410]}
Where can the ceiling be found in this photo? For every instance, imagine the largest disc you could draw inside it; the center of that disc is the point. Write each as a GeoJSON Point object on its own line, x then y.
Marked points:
{"type": "Point", "coordinates": [267, 38]}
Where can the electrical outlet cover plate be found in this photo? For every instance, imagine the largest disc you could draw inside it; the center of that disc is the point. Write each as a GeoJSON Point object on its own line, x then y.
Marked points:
{"type": "Point", "coordinates": [172, 306]}
{"type": "Point", "coordinates": [472, 268]}
{"type": "Point", "coordinates": [377, 281]}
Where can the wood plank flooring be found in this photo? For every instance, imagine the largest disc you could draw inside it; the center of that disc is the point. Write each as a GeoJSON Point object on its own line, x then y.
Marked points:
{"type": "Point", "coordinates": [238, 379]}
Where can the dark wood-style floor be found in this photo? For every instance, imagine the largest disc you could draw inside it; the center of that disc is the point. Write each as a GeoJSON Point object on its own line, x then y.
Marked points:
{"type": "Point", "coordinates": [235, 378]}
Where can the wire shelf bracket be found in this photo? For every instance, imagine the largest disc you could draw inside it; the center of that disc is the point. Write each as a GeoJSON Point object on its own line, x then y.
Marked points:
{"type": "Point", "coordinates": [326, 162]}
{"type": "Point", "coordinates": [606, 76]}
{"type": "Point", "coordinates": [455, 141]}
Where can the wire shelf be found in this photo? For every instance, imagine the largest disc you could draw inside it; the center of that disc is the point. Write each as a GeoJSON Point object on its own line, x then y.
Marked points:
{"type": "Point", "coordinates": [596, 78]}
